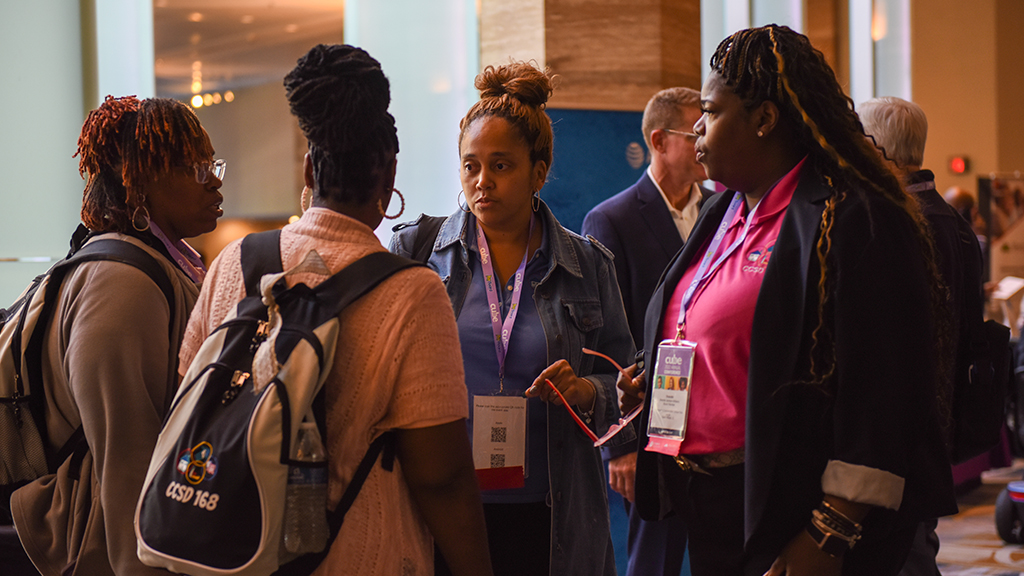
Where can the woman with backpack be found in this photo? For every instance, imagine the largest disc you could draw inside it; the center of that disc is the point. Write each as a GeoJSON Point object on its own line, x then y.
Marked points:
{"type": "Point", "coordinates": [109, 355]}
{"type": "Point", "coordinates": [529, 296]}
{"type": "Point", "coordinates": [397, 365]}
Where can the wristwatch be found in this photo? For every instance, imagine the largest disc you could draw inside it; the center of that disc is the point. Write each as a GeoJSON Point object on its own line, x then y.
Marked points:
{"type": "Point", "coordinates": [831, 544]}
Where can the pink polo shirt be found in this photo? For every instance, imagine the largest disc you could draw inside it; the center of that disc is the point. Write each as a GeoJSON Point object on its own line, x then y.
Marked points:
{"type": "Point", "coordinates": [719, 320]}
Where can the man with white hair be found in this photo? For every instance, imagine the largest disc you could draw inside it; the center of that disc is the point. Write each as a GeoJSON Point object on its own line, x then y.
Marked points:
{"type": "Point", "coordinates": [900, 129]}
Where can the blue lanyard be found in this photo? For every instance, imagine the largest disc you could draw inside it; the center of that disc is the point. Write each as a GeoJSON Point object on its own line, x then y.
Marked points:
{"type": "Point", "coordinates": [502, 330]}
{"type": "Point", "coordinates": [707, 268]}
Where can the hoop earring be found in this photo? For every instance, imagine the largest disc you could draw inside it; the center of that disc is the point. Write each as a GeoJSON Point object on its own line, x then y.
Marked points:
{"type": "Point", "coordinates": [306, 200]}
{"type": "Point", "coordinates": [463, 207]}
{"type": "Point", "coordinates": [145, 216]}
{"type": "Point", "coordinates": [380, 205]}
{"type": "Point", "coordinates": [535, 201]}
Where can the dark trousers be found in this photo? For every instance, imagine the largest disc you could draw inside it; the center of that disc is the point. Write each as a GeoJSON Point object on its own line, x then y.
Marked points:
{"type": "Point", "coordinates": [712, 508]}
{"type": "Point", "coordinates": [519, 537]}
{"type": "Point", "coordinates": [655, 548]}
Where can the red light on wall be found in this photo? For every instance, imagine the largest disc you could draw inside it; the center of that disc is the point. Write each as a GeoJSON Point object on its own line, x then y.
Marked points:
{"type": "Point", "coordinates": [959, 164]}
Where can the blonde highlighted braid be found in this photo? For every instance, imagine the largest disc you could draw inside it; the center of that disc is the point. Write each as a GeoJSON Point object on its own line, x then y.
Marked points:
{"type": "Point", "coordinates": [776, 64]}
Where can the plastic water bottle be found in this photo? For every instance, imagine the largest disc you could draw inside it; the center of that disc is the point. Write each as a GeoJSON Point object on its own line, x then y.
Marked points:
{"type": "Point", "coordinates": [305, 514]}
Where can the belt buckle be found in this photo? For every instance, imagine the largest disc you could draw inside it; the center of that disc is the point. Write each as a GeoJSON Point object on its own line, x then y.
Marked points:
{"type": "Point", "coordinates": [689, 465]}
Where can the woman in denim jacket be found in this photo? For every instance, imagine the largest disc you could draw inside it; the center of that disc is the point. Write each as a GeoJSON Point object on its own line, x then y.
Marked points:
{"type": "Point", "coordinates": [529, 295]}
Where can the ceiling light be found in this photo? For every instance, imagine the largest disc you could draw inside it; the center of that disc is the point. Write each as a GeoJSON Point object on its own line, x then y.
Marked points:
{"type": "Point", "coordinates": [197, 65]}
{"type": "Point", "coordinates": [195, 17]}
{"type": "Point", "coordinates": [291, 28]}
{"type": "Point", "coordinates": [229, 96]}
{"type": "Point", "coordinates": [216, 97]}
{"type": "Point", "coordinates": [197, 87]}
{"type": "Point", "coordinates": [248, 19]}
{"type": "Point", "coordinates": [197, 101]}
{"type": "Point", "coordinates": [207, 100]}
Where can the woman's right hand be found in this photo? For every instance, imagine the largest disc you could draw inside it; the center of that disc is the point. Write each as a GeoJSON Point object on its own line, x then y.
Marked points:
{"type": "Point", "coordinates": [632, 389]}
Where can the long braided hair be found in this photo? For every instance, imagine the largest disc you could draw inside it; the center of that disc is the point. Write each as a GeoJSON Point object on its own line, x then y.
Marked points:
{"type": "Point", "coordinates": [126, 143]}
{"type": "Point", "coordinates": [340, 96]}
{"type": "Point", "coordinates": [774, 63]}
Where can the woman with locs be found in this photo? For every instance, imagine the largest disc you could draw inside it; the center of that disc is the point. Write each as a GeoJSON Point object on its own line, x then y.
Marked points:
{"type": "Point", "coordinates": [808, 297]}
{"type": "Point", "coordinates": [110, 353]}
{"type": "Point", "coordinates": [529, 296]}
{"type": "Point", "coordinates": [397, 365]}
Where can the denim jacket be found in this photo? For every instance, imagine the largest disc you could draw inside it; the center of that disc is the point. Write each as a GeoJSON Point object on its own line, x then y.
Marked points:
{"type": "Point", "coordinates": [580, 306]}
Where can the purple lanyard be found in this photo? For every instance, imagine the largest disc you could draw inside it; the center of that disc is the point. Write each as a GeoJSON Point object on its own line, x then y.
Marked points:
{"type": "Point", "coordinates": [186, 257]}
{"type": "Point", "coordinates": [502, 331]}
{"type": "Point", "coordinates": [706, 268]}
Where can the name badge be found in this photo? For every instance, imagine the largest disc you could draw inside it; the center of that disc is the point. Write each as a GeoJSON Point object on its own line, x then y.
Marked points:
{"type": "Point", "coordinates": [670, 396]}
{"type": "Point", "coordinates": [499, 441]}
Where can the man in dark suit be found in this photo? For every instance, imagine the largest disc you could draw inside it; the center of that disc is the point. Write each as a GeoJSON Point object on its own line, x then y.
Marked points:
{"type": "Point", "coordinates": [644, 226]}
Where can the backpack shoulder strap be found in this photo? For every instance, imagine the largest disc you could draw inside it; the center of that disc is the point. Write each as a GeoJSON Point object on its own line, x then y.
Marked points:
{"type": "Point", "coordinates": [106, 249]}
{"type": "Point", "coordinates": [385, 443]}
{"type": "Point", "coordinates": [427, 229]}
{"type": "Point", "coordinates": [358, 278]}
{"type": "Point", "coordinates": [261, 255]}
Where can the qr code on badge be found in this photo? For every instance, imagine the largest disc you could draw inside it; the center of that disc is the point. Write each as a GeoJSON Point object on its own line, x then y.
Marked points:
{"type": "Point", "coordinates": [497, 460]}
{"type": "Point", "coordinates": [499, 434]}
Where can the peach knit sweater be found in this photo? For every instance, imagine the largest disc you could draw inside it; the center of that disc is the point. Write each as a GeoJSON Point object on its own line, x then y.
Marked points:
{"type": "Point", "coordinates": [398, 365]}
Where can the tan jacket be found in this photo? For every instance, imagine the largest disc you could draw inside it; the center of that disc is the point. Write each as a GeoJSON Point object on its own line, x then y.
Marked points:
{"type": "Point", "coordinates": [109, 365]}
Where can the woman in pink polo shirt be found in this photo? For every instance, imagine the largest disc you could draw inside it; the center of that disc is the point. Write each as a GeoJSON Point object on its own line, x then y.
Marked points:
{"type": "Point", "coordinates": [802, 311]}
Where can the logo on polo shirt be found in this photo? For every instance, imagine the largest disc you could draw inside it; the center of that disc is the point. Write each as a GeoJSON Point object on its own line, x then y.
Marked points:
{"type": "Point", "coordinates": [757, 260]}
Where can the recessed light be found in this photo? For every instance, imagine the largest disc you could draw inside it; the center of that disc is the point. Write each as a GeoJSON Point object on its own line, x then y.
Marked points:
{"type": "Point", "coordinates": [197, 101]}
{"type": "Point", "coordinates": [291, 28]}
{"type": "Point", "coordinates": [248, 19]}
{"type": "Point", "coordinates": [195, 17]}
{"type": "Point", "coordinates": [229, 96]}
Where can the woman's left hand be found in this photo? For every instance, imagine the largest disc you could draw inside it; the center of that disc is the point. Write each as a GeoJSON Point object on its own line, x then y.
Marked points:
{"type": "Point", "coordinates": [577, 391]}
{"type": "Point", "coordinates": [802, 557]}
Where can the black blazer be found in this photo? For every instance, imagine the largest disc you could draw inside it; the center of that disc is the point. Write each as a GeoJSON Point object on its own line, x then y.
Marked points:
{"type": "Point", "coordinates": [879, 410]}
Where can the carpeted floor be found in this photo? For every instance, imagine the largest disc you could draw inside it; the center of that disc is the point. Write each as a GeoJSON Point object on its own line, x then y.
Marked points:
{"type": "Point", "coordinates": [969, 543]}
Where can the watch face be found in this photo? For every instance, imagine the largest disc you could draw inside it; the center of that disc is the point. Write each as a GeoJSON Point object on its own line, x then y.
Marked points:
{"type": "Point", "coordinates": [827, 543]}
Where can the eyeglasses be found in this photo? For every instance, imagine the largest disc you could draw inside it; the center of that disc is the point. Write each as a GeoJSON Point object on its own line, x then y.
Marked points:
{"type": "Point", "coordinates": [614, 428]}
{"type": "Point", "coordinates": [204, 169]}
{"type": "Point", "coordinates": [688, 135]}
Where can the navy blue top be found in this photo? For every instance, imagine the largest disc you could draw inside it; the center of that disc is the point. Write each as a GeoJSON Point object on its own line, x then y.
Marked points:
{"type": "Point", "coordinates": [525, 359]}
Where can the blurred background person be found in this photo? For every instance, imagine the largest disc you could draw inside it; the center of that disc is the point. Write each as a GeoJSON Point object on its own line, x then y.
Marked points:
{"type": "Point", "coordinates": [900, 129]}
{"type": "Point", "coordinates": [110, 353]}
{"type": "Point", "coordinates": [397, 366]}
{"type": "Point", "coordinates": [529, 295]}
{"type": "Point", "coordinates": [644, 226]}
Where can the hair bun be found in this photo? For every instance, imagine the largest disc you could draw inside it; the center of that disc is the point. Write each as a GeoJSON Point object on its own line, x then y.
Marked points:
{"type": "Point", "coordinates": [520, 80]}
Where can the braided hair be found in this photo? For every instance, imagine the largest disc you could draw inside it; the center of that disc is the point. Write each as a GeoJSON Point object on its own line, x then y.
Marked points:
{"type": "Point", "coordinates": [340, 96]}
{"type": "Point", "coordinates": [774, 63]}
{"type": "Point", "coordinates": [124, 144]}
{"type": "Point", "coordinates": [517, 92]}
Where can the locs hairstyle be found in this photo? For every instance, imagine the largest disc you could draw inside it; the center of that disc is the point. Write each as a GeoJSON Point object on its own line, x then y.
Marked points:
{"type": "Point", "coordinates": [125, 143]}
{"type": "Point", "coordinates": [340, 96]}
{"type": "Point", "coordinates": [774, 63]}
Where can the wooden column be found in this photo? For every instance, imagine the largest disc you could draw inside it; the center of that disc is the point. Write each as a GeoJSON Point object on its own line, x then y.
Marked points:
{"type": "Point", "coordinates": [608, 54]}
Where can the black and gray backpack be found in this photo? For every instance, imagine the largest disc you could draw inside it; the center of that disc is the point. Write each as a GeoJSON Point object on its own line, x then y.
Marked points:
{"type": "Point", "coordinates": [214, 497]}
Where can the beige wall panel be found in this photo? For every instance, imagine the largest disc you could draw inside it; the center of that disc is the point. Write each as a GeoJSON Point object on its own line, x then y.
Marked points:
{"type": "Point", "coordinates": [608, 54]}
{"type": "Point", "coordinates": [511, 29]}
{"type": "Point", "coordinates": [955, 80]}
{"type": "Point", "coordinates": [1010, 84]}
